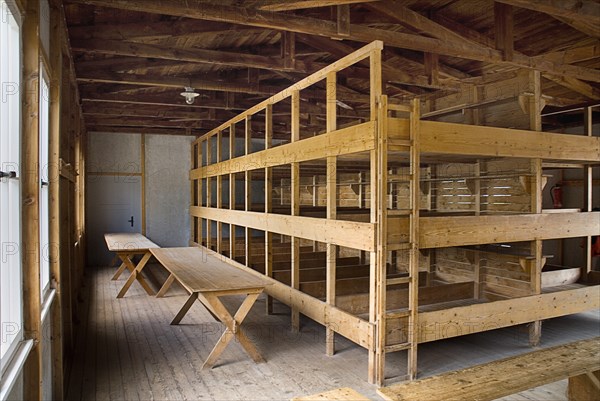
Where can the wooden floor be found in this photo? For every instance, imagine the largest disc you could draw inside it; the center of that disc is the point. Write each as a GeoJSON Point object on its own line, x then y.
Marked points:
{"type": "Point", "coordinates": [126, 349]}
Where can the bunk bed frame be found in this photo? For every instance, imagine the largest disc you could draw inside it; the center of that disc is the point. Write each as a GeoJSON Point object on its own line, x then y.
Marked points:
{"type": "Point", "coordinates": [368, 273]}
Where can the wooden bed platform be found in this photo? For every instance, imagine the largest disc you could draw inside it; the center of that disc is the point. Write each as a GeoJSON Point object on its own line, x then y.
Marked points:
{"type": "Point", "coordinates": [396, 230]}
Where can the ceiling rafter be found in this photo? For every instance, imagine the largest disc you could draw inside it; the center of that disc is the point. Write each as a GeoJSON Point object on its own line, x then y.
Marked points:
{"type": "Point", "coordinates": [582, 15]}
{"type": "Point", "coordinates": [295, 23]}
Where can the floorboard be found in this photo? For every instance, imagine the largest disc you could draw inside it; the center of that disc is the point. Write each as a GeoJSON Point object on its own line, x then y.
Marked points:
{"type": "Point", "coordinates": [126, 349]}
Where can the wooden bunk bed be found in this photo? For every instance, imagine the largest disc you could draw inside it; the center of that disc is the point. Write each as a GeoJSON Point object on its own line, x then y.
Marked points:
{"type": "Point", "coordinates": [389, 230]}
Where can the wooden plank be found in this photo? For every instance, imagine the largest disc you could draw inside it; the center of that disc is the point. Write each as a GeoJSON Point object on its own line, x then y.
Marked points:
{"type": "Point", "coordinates": [348, 325]}
{"type": "Point", "coordinates": [287, 5]}
{"type": "Point", "coordinates": [504, 377]}
{"type": "Point", "coordinates": [457, 321]}
{"type": "Point", "coordinates": [339, 394]}
{"type": "Point", "coordinates": [199, 271]}
{"type": "Point", "coordinates": [353, 139]}
{"type": "Point", "coordinates": [448, 138]}
{"type": "Point", "coordinates": [133, 242]}
{"type": "Point", "coordinates": [438, 232]}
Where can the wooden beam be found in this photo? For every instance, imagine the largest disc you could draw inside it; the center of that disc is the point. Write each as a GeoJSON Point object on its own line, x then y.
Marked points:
{"type": "Point", "coordinates": [436, 232]}
{"type": "Point", "coordinates": [287, 5]}
{"type": "Point", "coordinates": [288, 22]}
{"type": "Point", "coordinates": [448, 138]}
{"type": "Point", "coordinates": [582, 15]}
{"type": "Point", "coordinates": [503, 29]}
{"type": "Point", "coordinates": [339, 232]}
{"type": "Point", "coordinates": [357, 138]}
{"type": "Point", "coordinates": [30, 207]}
{"type": "Point", "coordinates": [145, 130]}
{"type": "Point", "coordinates": [204, 56]}
{"type": "Point", "coordinates": [470, 319]}
{"type": "Point", "coordinates": [576, 85]}
{"type": "Point", "coordinates": [343, 20]}
{"type": "Point", "coordinates": [57, 30]}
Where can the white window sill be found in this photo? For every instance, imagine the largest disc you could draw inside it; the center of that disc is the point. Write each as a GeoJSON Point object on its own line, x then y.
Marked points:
{"type": "Point", "coordinates": [14, 368]}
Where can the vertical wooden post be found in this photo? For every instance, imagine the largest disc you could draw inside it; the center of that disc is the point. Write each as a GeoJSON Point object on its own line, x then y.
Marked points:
{"type": "Point", "coordinates": [503, 29]}
{"type": "Point", "coordinates": [143, 178]}
{"type": "Point", "coordinates": [232, 239]}
{"type": "Point", "coordinates": [269, 201]}
{"type": "Point", "coordinates": [199, 194]}
{"type": "Point", "coordinates": [535, 122]}
{"type": "Point", "coordinates": [588, 186]}
{"type": "Point", "coordinates": [208, 192]}
{"type": "Point", "coordinates": [30, 211]}
{"type": "Point", "coordinates": [477, 259]}
{"type": "Point", "coordinates": [56, 32]}
{"type": "Point", "coordinates": [295, 206]}
{"type": "Point", "coordinates": [248, 187]}
{"type": "Point", "coordinates": [331, 263]}
{"type": "Point", "coordinates": [194, 221]}
{"type": "Point", "coordinates": [376, 348]}
{"type": "Point", "coordinates": [413, 290]}
{"type": "Point", "coordinates": [219, 192]}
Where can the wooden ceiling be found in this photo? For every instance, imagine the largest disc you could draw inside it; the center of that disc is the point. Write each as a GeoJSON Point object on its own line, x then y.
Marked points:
{"type": "Point", "coordinates": [134, 57]}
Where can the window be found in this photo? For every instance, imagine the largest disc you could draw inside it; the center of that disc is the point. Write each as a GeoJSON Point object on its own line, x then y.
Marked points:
{"type": "Point", "coordinates": [44, 182]}
{"type": "Point", "coordinates": [10, 230]}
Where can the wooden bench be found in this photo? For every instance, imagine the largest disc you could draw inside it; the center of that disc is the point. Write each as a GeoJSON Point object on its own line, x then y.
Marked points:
{"type": "Point", "coordinates": [206, 278]}
{"type": "Point", "coordinates": [339, 394]}
{"type": "Point", "coordinates": [126, 246]}
{"type": "Point", "coordinates": [504, 377]}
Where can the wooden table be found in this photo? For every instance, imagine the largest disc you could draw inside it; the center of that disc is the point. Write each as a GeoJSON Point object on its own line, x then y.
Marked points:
{"type": "Point", "coordinates": [126, 246]}
{"type": "Point", "coordinates": [206, 278]}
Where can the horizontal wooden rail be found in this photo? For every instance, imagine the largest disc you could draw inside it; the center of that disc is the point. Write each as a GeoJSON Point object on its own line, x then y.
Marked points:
{"type": "Point", "coordinates": [358, 138]}
{"type": "Point", "coordinates": [501, 378]}
{"type": "Point", "coordinates": [353, 58]}
{"type": "Point", "coordinates": [437, 232]}
{"type": "Point", "coordinates": [338, 232]}
{"type": "Point", "coordinates": [471, 140]}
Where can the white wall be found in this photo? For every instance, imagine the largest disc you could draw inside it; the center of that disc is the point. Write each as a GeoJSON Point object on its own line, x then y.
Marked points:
{"type": "Point", "coordinates": [167, 186]}
{"type": "Point", "coordinates": [168, 162]}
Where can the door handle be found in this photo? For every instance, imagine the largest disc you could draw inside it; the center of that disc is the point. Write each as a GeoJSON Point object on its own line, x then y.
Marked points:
{"type": "Point", "coordinates": [45, 183]}
{"type": "Point", "coordinates": [9, 174]}
{"type": "Point", "coordinates": [130, 221]}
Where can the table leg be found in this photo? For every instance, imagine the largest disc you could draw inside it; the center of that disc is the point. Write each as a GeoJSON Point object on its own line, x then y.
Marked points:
{"type": "Point", "coordinates": [122, 267]}
{"type": "Point", "coordinates": [232, 327]}
{"type": "Point", "coordinates": [165, 287]}
{"type": "Point", "coordinates": [186, 307]}
{"type": "Point", "coordinates": [136, 274]}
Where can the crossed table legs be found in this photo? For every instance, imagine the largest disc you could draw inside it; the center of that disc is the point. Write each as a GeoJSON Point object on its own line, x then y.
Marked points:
{"type": "Point", "coordinates": [135, 272]}
{"type": "Point", "coordinates": [213, 304]}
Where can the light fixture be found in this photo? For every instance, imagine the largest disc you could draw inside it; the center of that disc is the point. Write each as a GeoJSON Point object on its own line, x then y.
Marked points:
{"type": "Point", "coordinates": [189, 95]}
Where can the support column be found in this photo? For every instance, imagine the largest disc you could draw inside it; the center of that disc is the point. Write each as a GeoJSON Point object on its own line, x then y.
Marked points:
{"type": "Point", "coordinates": [535, 123]}
{"type": "Point", "coordinates": [331, 262]}
{"type": "Point", "coordinates": [30, 211]}
{"type": "Point", "coordinates": [295, 206]}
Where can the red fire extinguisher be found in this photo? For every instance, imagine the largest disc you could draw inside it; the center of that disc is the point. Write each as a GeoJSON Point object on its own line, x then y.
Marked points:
{"type": "Point", "coordinates": [556, 194]}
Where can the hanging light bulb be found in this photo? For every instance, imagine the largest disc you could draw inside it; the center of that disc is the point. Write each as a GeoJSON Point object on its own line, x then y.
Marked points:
{"type": "Point", "coordinates": [189, 95]}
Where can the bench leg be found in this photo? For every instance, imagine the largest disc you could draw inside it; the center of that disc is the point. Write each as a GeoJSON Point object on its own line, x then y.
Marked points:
{"type": "Point", "coordinates": [165, 287]}
{"type": "Point", "coordinates": [136, 274]}
{"type": "Point", "coordinates": [185, 308]}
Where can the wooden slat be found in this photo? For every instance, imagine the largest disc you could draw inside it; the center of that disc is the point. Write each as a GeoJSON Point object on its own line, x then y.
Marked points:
{"type": "Point", "coordinates": [457, 321]}
{"type": "Point", "coordinates": [199, 271]}
{"type": "Point", "coordinates": [504, 377]}
{"type": "Point", "coordinates": [464, 139]}
{"type": "Point", "coordinates": [353, 139]}
{"type": "Point", "coordinates": [436, 232]}
{"type": "Point", "coordinates": [134, 242]}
